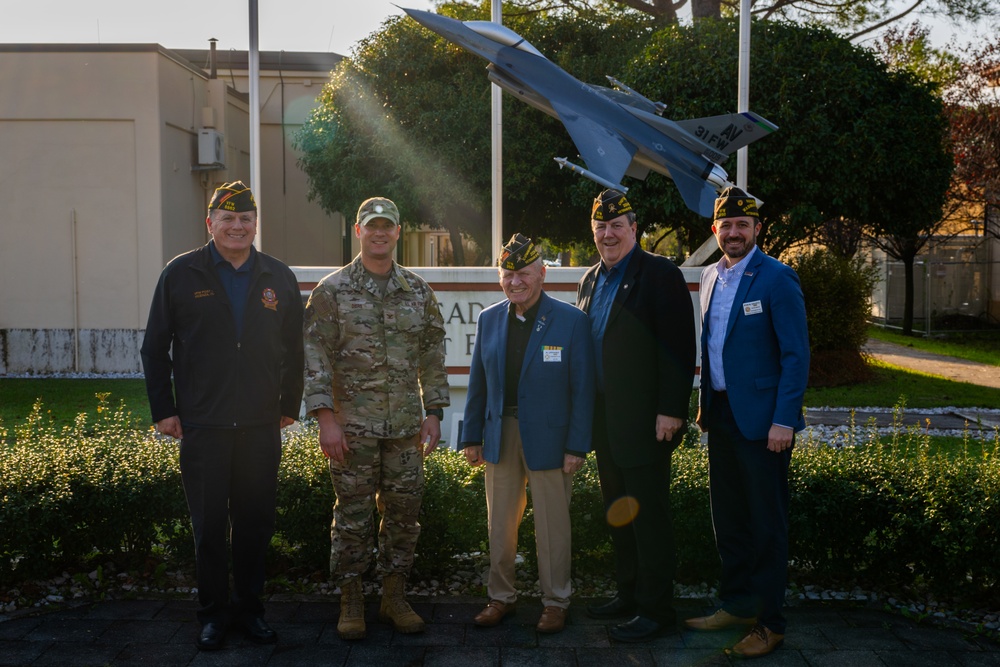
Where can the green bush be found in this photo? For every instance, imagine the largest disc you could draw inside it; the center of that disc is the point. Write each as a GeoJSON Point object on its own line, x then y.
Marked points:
{"type": "Point", "coordinates": [837, 294]}
{"type": "Point", "coordinates": [305, 498]}
{"type": "Point", "coordinates": [861, 512]}
{"type": "Point", "coordinates": [868, 512]}
{"type": "Point", "coordinates": [71, 493]}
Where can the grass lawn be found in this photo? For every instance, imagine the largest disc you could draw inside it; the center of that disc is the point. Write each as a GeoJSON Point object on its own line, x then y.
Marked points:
{"type": "Point", "coordinates": [919, 390]}
{"type": "Point", "coordinates": [63, 398]}
{"type": "Point", "coordinates": [979, 346]}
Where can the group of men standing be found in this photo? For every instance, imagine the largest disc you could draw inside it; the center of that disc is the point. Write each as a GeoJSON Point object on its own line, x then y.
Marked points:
{"type": "Point", "coordinates": [548, 382]}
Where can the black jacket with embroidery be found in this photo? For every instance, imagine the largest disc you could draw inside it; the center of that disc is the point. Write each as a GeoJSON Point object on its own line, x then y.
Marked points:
{"type": "Point", "coordinates": [221, 380]}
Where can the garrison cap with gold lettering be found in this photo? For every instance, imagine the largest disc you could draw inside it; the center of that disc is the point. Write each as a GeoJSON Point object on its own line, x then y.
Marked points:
{"type": "Point", "coordinates": [235, 196]}
{"type": "Point", "coordinates": [609, 205]}
{"type": "Point", "coordinates": [734, 203]}
{"type": "Point", "coordinates": [377, 207]}
{"type": "Point", "coordinates": [518, 253]}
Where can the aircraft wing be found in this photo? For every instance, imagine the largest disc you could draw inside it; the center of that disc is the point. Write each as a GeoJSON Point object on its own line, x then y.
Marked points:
{"type": "Point", "coordinates": [606, 152]}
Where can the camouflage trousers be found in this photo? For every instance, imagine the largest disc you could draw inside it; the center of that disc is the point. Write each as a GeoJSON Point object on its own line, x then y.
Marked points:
{"type": "Point", "coordinates": [387, 474]}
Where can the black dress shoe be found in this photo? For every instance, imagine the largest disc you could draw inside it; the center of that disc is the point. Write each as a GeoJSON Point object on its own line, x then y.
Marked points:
{"type": "Point", "coordinates": [615, 608]}
{"type": "Point", "coordinates": [258, 631]}
{"type": "Point", "coordinates": [213, 634]}
{"type": "Point", "coordinates": [639, 629]}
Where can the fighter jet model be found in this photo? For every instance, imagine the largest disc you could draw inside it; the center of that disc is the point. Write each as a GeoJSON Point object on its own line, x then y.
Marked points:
{"type": "Point", "coordinates": [618, 132]}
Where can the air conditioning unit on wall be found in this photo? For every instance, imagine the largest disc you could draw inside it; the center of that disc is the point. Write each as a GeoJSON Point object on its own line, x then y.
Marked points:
{"type": "Point", "coordinates": [211, 148]}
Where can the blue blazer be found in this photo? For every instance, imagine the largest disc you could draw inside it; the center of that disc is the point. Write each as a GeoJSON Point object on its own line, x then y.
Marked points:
{"type": "Point", "coordinates": [766, 349]}
{"type": "Point", "coordinates": [555, 392]}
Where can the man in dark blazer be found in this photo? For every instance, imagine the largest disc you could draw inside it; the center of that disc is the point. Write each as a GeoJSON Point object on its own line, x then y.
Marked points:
{"type": "Point", "coordinates": [528, 418]}
{"type": "Point", "coordinates": [754, 369]}
{"type": "Point", "coordinates": [642, 322]}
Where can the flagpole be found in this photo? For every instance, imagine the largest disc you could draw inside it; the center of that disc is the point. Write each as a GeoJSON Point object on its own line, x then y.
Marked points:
{"type": "Point", "coordinates": [497, 144]}
{"type": "Point", "coordinates": [254, 61]}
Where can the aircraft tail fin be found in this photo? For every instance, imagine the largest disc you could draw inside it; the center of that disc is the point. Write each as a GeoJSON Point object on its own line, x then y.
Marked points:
{"type": "Point", "coordinates": [728, 133]}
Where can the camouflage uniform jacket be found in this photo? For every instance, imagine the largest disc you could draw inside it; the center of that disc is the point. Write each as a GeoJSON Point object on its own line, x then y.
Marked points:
{"type": "Point", "coordinates": [378, 354]}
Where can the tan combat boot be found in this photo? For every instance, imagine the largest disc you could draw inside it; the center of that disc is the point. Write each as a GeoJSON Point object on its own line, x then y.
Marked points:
{"type": "Point", "coordinates": [395, 608]}
{"type": "Point", "coordinates": [352, 610]}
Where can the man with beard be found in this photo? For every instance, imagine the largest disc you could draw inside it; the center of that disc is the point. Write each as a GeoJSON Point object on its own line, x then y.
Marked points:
{"type": "Point", "coordinates": [754, 369]}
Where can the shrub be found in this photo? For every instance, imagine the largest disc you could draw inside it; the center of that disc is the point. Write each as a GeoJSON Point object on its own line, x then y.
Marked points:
{"type": "Point", "coordinates": [89, 489]}
{"type": "Point", "coordinates": [837, 294]}
{"type": "Point", "coordinates": [861, 512]}
{"type": "Point", "coordinates": [305, 498]}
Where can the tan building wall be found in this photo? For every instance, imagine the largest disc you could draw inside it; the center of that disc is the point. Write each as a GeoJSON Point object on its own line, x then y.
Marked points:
{"type": "Point", "coordinates": [97, 149]}
{"type": "Point", "coordinates": [292, 228]}
{"type": "Point", "coordinates": [101, 185]}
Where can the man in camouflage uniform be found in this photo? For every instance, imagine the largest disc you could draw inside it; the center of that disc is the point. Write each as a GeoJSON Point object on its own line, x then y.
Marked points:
{"type": "Point", "coordinates": [374, 346]}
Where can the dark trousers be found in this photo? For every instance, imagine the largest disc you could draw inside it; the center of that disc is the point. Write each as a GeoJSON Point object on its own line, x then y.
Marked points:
{"type": "Point", "coordinates": [230, 480]}
{"type": "Point", "coordinates": [749, 490]}
{"type": "Point", "coordinates": [637, 503]}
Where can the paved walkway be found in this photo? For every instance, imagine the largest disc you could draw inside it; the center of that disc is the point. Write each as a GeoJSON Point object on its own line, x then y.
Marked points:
{"type": "Point", "coordinates": [159, 632]}
{"type": "Point", "coordinates": [952, 368]}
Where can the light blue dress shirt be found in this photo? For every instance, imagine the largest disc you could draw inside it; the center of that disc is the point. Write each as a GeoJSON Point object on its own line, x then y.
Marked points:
{"type": "Point", "coordinates": [723, 295]}
{"type": "Point", "coordinates": [605, 288]}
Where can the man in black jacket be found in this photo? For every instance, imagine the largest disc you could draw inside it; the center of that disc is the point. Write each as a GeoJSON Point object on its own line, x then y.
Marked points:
{"type": "Point", "coordinates": [642, 321]}
{"type": "Point", "coordinates": [226, 322]}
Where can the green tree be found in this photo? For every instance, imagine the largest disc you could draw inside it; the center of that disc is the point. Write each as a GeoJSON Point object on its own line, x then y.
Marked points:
{"type": "Point", "coordinates": [913, 177]}
{"type": "Point", "coordinates": [837, 148]}
{"type": "Point", "coordinates": [408, 116]}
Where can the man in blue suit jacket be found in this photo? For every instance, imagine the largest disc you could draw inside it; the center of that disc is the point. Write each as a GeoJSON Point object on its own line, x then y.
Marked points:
{"type": "Point", "coordinates": [755, 365]}
{"type": "Point", "coordinates": [528, 417]}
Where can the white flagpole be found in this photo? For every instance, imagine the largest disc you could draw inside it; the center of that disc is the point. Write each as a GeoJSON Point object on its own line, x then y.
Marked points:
{"type": "Point", "coordinates": [254, 58]}
{"type": "Point", "coordinates": [497, 143]}
{"type": "Point", "coordinates": [743, 96]}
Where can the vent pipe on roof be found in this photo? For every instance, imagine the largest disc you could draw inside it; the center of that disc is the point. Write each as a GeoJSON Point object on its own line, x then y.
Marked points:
{"type": "Point", "coordinates": [211, 58]}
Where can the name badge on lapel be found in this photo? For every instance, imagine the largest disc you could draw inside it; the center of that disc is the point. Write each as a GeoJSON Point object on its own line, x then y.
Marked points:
{"type": "Point", "coordinates": [752, 308]}
{"type": "Point", "coordinates": [551, 353]}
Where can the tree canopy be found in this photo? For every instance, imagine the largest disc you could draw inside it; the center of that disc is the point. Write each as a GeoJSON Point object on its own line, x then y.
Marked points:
{"type": "Point", "coordinates": [842, 141]}
{"type": "Point", "coordinates": [851, 18]}
{"type": "Point", "coordinates": [408, 117]}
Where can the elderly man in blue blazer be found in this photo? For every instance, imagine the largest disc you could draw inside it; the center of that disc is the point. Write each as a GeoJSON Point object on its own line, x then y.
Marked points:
{"type": "Point", "coordinates": [528, 418]}
{"type": "Point", "coordinates": [754, 370]}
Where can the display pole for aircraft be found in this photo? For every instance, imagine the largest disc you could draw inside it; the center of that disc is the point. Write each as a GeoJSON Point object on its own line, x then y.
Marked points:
{"type": "Point", "coordinates": [254, 58]}
{"type": "Point", "coordinates": [497, 141]}
{"type": "Point", "coordinates": [743, 96]}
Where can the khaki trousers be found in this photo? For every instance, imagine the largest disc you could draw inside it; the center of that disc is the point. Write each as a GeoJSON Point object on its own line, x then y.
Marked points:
{"type": "Point", "coordinates": [506, 500]}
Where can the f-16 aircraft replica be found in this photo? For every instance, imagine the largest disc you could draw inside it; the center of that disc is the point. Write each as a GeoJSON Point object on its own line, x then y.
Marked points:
{"type": "Point", "coordinates": [617, 131]}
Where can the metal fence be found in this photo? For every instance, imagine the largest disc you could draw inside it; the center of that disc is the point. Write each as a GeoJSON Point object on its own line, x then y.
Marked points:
{"type": "Point", "coordinates": [956, 287]}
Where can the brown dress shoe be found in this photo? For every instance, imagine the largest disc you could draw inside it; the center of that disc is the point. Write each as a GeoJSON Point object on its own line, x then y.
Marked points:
{"type": "Point", "coordinates": [720, 620]}
{"type": "Point", "coordinates": [553, 620]}
{"type": "Point", "coordinates": [493, 613]}
{"type": "Point", "coordinates": [759, 641]}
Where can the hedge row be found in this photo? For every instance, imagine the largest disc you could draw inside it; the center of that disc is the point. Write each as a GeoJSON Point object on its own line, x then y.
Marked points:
{"type": "Point", "coordinates": [867, 513]}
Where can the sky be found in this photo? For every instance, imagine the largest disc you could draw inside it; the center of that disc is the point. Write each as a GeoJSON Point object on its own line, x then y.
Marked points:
{"type": "Point", "coordinates": [289, 25]}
